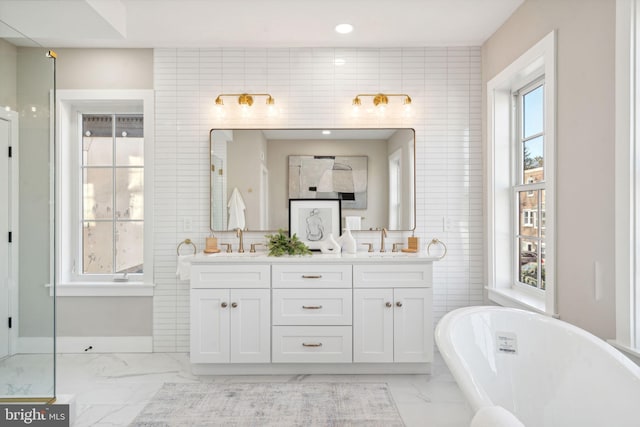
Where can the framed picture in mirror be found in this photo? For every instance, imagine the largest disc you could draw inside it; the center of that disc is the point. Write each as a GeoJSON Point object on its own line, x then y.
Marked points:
{"type": "Point", "coordinates": [313, 220]}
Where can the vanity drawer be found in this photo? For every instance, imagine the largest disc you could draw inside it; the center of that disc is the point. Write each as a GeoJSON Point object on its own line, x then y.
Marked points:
{"type": "Point", "coordinates": [311, 344]}
{"type": "Point", "coordinates": [311, 307]}
{"type": "Point", "coordinates": [312, 276]}
{"type": "Point", "coordinates": [231, 276]}
{"type": "Point", "coordinates": [398, 275]}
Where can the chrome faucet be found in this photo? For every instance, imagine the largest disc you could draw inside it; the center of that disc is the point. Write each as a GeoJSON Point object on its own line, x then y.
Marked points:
{"type": "Point", "coordinates": [240, 244]}
{"type": "Point", "coordinates": [383, 234]}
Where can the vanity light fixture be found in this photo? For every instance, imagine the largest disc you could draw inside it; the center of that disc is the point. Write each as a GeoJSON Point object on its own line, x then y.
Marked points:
{"type": "Point", "coordinates": [245, 99]}
{"type": "Point", "coordinates": [380, 100]}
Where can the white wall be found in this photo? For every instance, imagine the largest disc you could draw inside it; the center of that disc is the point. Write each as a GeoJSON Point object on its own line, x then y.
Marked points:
{"type": "Point", "coordinates": [9, 73]}
{"type": "Point", "coordinates": [585, 144]}
{"type": "Point", "coordinates": [312, 92]}
{"type": "Point", "coordinates": [104, 69]}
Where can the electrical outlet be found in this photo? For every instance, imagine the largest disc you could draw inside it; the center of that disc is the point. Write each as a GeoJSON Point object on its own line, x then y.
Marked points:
{"type": "Point", "coordinates": [187, 225]}
{"type": "Point", "coordinates": [447, 224]}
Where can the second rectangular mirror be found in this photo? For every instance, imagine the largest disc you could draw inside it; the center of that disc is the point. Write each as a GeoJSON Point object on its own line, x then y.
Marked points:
{"type": "Point", "coordinates": [254, 173]}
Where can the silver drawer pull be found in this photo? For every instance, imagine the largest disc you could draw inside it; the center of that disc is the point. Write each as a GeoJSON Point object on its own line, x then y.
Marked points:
{"type": "Point", "coordinates": [312, 307]}
{"type": "Point", "coordinates": [315, 344]}
{"type": "Point", "coordinates": [312, 276]}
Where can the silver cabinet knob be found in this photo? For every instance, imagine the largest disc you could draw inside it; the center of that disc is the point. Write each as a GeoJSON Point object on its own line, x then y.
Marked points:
{"type": "Point", "coordinates": [223, 305]}
{"type": "Point", "coordinates": [399, 304]}
{"type": "Point", "coordinates": [388, 304]}
{"type": "Point", "coordinates": [234, 304]}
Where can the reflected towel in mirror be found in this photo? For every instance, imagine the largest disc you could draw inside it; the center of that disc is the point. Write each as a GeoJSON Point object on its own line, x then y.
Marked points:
{"type": "Point", "coordinates": [184, 267]}
{"type": "Point", "coordinates": [236, 211]}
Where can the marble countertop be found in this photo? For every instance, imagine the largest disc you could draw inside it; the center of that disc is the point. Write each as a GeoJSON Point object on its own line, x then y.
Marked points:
{"type": "Point", "coordinates": [357, 258]}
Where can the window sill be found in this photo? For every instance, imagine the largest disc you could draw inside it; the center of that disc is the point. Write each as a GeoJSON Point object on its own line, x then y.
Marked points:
{"type": "Point", "coordinates": [102, 289]}
{"type": "Point", "coordinates": [510, 297]}
{"type": "Point", "coordinates": [632, 353]}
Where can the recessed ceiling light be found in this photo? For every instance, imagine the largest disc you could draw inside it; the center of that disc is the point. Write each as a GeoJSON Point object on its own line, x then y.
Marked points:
{"type": "Point", "coordinates": [326, 132]}
{"type": "Point", "coordinates": [344, 28]}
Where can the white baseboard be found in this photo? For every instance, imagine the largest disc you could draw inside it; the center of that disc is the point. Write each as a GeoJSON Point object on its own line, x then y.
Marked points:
{"type": "Point", "coordinates": [34, 345]}
{"type": "Point", "coordinates": [140, 344]}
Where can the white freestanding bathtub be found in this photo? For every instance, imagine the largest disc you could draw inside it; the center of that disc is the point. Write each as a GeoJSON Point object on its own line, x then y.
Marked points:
{"type": "Point", "coordinates": [545, 371]}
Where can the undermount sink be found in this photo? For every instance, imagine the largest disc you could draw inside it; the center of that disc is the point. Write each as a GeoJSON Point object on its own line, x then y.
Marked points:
{"type": "Point", "coordinates": [236, 254]}
{"type": "Point", "coordinates": [387, 254]}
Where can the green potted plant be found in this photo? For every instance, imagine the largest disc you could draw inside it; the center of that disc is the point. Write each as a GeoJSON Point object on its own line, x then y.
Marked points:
{"type": "Point", "coordinates": [281, 244]}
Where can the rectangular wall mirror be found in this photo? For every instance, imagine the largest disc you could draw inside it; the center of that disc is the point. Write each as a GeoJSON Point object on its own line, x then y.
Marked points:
{"type": "Point", "coordinates": [254, 173]}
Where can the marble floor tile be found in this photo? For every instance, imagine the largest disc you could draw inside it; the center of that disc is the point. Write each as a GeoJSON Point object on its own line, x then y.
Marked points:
{"type": "Point", "coordinates": [111, 389]}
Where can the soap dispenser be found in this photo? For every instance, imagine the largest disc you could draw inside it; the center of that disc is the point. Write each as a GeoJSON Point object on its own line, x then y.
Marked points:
{"type": "Point", "coordinates": [349, 245]}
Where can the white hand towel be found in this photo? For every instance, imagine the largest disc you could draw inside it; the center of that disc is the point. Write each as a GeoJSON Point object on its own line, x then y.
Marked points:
{"type": "Point", "coordinates": [236, 211]}
{"type": "Point", "coordinates": [353, 222]}
{"type": "Point", "coordinates": [184, 267]}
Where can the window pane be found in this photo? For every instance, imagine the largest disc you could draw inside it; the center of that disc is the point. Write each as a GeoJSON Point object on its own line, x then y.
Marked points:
{"type": "Point", "coordinates": [533, 160]}
{"type": "Point", "coordinates": [129, 247]}
{"type": "Point", "coordinates": [97, 151]}
{"type": "Point", "coordinates": [528, 213]}
{"type": "Point", "coordinates": [532, 114]}
{"type": "Point", "coordinates": [129, 141]}
{"type": "Point", "coordinates": [97, 140]}
{"type": "Point", "coordinates": [528, 262]}
{"type": "Point", "coordinates": [97, 193]}
{"type": "Point", "coordinates": [97, 247]}
{"type": "Point", "coordinates": [129, 193]}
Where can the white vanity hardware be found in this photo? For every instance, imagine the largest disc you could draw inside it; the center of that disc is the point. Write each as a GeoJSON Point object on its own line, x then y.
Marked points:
{"type": "Point", "coordinates": [313, 314]}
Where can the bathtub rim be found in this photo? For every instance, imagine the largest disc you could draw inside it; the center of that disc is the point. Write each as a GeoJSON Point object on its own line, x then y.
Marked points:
{"type": "Point", "coordinates": [475, 394]}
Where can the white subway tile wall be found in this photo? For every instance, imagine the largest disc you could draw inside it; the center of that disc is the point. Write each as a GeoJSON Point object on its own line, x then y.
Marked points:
{"type": "Point", "coordinates": [313, 88]}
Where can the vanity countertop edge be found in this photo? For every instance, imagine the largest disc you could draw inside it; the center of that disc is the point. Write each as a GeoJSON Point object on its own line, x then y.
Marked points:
{"type": "Point", "coordinates": [358, 258]}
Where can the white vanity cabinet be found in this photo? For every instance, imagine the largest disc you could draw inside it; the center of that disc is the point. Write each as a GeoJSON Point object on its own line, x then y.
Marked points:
{"type": "Point", "coordinates": [311, 312]}
{"type": "Point", "coordinates": [230, 324]}
{"type": "Point", "coordinates": [392, 319]}
{"type": "Point", "coordinates": [392, 325]}
{"type": "Point", "coordinates": [318, 314]}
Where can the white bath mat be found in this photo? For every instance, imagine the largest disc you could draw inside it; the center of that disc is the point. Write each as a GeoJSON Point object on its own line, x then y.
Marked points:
{"type": "Point", "coordinates": [271, 404]}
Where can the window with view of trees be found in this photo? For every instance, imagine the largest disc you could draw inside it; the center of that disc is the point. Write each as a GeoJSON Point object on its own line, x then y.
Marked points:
{"type": "Point", "coordinates": [112, 194]}
{"type": "Point", "coordinates": [529, 189]}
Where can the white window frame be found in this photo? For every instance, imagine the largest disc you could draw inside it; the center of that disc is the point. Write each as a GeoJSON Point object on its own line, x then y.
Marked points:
{"type": "Point", "coordinates": [627, 179]}
{"type": "Point", "coordinates": [71, 103]}
{"type": "Point", "coordinates": [538, 61]}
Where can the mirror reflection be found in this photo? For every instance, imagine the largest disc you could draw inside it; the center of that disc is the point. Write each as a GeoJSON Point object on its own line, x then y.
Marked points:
{"type": "Point", "coordinates": [254, 173]}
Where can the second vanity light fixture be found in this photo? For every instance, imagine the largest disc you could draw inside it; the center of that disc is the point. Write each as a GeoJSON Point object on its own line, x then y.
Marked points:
{"type": "Point", "coordinates": [380, 100]}
{"type": "Point", "coordinates": [245, 99]}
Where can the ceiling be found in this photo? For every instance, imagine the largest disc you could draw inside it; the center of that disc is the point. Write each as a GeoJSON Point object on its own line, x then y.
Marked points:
{"type": "Point", "coordinates": [253, 23]}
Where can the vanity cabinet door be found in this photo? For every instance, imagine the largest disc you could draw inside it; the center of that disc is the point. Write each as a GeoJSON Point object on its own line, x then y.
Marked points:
{"type": "Point", "coordinates": [392, 325]}
{"type": "Point", "coordinates": [250, 326]}
{"type": "Point", "coordinates": [413, 325]}
{"type": "Point", "coordinates": [373, 325]}
{"type": "Point", "coordinates": [210, 325]}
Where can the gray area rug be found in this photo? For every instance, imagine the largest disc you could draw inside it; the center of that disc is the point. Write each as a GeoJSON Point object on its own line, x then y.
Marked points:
{"type": "Point", "coordinates": [271, 404]}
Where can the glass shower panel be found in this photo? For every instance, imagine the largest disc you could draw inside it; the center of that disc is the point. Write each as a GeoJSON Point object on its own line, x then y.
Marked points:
{"type": "Point", "coordinates": [27, 340]}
